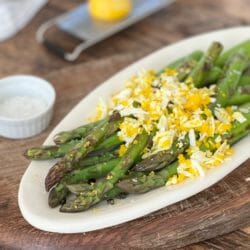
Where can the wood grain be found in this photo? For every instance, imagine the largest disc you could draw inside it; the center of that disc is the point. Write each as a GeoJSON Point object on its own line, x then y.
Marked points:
{"type": "Point", "coordinates": [235, 240]}
{"type": "Point", "coordinates": [221, 209]}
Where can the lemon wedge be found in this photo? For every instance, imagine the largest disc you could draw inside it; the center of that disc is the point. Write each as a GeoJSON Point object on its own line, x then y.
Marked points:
{"type": "Point", "coordinates": [110, 10]}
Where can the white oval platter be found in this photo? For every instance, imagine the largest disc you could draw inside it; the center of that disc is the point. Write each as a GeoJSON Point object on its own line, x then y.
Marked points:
{"type": "Point", "coordinates": [32, 197]}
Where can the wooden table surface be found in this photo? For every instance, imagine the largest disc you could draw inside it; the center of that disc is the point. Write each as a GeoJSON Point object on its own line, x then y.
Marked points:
{"type": "Point", "coordinates": [222, 225]}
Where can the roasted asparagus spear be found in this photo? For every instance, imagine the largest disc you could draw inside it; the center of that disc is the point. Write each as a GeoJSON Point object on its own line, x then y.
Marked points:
{"type": "Point", "coordinates": [71, 160]}
{"type": "Point", "coordinates": [88, 199]}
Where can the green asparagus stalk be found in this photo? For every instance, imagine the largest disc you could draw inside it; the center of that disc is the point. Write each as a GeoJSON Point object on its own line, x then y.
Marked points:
{"type": "Point", "coordinates": [244, 47]}
{"type": "Point", "coordinates": [96, 171]}
{"type": "Point", "coordinates": [196, 55]}
{"type": "Point", "coordinates": [93, 160]}
{"type": "Point", "coordinates": [109, 142]}
{"type": "Point", "coordinates": [49, 152]}
{"type": "Point", "coordinates": [244, 80]}
{"type": "Point", "coordinates": [145, 183]}
{"type": "Point", "coordinates": [59, 193]}
{"type": "Point", "coordinates": [57, 151]}
{"type": "Point", "coordinates": [241, 96]}
{"type": "Point", "coordinates": [239, 130]}
{"type": "Point", "coordinates": [229, 82]}
{"type": "Point", "coordinates": [108, 145]}
{"type": "Point", "coordinates": [213, 76]}
{"type": "Point", "coordinates": [182, 63]}
{"type": "Point", "coordinates": [79, 188]}
{"type": "Point", "coordinates": [185, 68]}
{"type": "Point", "coordinates": [85, 146]}
{"type": "Point", "coordinates": [84, 187]}
{"type": "Point", "coordinates": [162, 158]}
{"type": "Point", "coordinates": [115, 192]}
{"type": "Point", "coordinates": [78, 133]}
{"type": "Point", "coordinates": [216, 73]}
{"type": "Point", "coordinates": [109, 196]}
{"type": "Point", "coordinates": [247, 71]}
{"type": "Point", "coordinates": [88, 199]}
{"type": "Point", "coordinates": [206, 63]}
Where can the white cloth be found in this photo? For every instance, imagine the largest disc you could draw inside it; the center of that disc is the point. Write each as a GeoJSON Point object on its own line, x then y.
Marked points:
{"type": "Point", "coordinates": [15, 14]}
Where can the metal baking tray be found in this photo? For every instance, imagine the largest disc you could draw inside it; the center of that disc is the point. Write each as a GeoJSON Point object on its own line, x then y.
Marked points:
{"type": "Point", "coordinates": [79, 24]}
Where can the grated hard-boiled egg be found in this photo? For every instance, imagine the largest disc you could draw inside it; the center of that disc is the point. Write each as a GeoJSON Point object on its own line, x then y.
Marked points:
{"type": "Point", "coordinates": [171, 110]}
{"type": "Point", "coordinates": [239, 117]}
{"type": "Point", "coordinates": [101, 110]}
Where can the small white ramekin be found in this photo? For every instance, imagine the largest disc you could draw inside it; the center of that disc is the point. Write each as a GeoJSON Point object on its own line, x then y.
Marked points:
{"type": "Point", "coordinates": [34, 87]}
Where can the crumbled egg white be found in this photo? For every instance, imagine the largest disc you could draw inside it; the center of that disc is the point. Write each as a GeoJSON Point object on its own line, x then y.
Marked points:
{"type": "Point", "coordinates": [161, 141]}
{"type": "Point", "coordinates": [222, 115]}
{"type": "Point", "coordinates": [192, 139]}
{"type": "Point", "coordinates": [101, 110]}
{"type": "Point", "coordinates": [172, 109]}
{"type": "Point", "coordinates": [239, 117]}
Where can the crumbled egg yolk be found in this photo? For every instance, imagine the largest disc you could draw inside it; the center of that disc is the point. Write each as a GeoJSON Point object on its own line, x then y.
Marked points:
{"type": "Point", "coordinates": [122, 150]}
{"type": "Point", "coordinates": [173, 109]}
{"type": "Point", "coordinates": [196, 100]}
{"type": "Point", "coordinates": [101, 110]}
{"type": "Point", "coordinates": [129, 128]}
